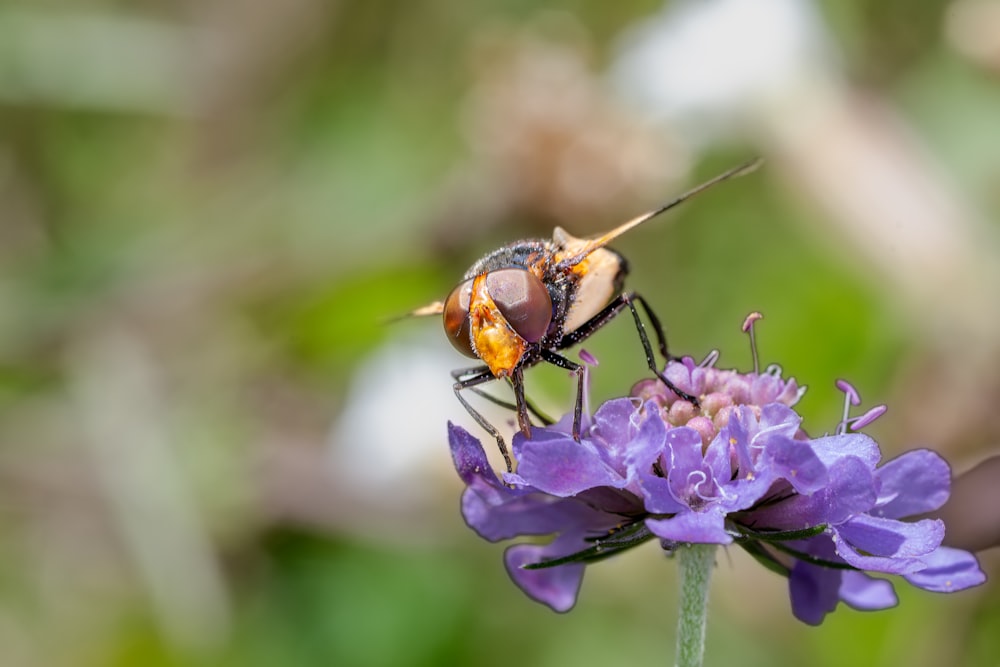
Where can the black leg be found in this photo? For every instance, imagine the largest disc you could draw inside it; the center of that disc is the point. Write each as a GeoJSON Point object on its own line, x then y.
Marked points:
{"type": "Point", "coordinates": [585, 330]}
{"type": "Point", "coordinates": [471, 380]}
{"type": "Point", "coordinates": [577, 370]}
{"type": "Point", "coordinates": [520, 404]}
{"type": "Point", "coordinates": [611, 311]}
{"type": "Point", "coordinates": [532, 408]}
{"type": "Point", "coordinates": [661, 338]}
{"type": "Point", "coordinates": [650, 359]}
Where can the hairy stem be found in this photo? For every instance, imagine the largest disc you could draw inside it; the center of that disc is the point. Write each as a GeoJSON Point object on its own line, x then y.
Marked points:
{"type": "Point", "coordinates": [696, 562]}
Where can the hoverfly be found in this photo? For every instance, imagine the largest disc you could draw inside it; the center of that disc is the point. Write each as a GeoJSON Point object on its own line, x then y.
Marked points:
{"type": "Point", "coordinates": [524, 303]}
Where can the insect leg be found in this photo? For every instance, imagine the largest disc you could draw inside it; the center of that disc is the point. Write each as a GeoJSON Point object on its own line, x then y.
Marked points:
{"type": "Point", "coordinates": [630, 298]}
{"type": "Point", "coordinates": [661, 337]}
{"type": "Point", "coordinates": [577, 370]}
{"type": "Point", "coordinates": [586, 329]}
{"type": "Point", "coordinates": [609, 313]}
{"type": "Point", "coordinates": [460, 373]}
{"type": "Point", "coordinates": [520, 404]}
{"type": "Point", "coordinates": [471, 380]}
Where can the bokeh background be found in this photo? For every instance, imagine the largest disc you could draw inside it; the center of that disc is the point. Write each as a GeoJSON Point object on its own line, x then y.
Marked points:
{"type": "Point", "coordinates": [217, 451]}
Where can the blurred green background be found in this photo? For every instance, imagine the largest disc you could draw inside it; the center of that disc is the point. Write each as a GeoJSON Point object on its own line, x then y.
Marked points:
{"type": "Point", "coordinates": [214, 450]}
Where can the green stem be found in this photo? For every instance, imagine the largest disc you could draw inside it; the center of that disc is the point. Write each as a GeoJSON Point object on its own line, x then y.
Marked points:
{"type": "Point", "coordinates": [696, 562]}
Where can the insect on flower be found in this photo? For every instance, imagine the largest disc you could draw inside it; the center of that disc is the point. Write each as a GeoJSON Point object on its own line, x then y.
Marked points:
{"type": "Point", "coordinates": [526, 302]}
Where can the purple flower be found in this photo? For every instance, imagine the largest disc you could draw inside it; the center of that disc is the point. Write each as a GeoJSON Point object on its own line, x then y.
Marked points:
{"type": "Point", "coordinates": [736, 468]}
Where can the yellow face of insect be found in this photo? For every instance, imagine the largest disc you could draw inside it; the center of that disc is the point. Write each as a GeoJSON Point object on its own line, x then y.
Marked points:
{"type": "Point", "coordinates": [496, 315]}
{"type": "Point", "coordinates": [495, 341]}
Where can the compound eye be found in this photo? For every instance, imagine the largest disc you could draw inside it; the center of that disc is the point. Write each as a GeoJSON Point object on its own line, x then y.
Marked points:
{"type": "Point", "coordinates": [456, 318]}
{"type": "Point", "coordinates": [523, 300]}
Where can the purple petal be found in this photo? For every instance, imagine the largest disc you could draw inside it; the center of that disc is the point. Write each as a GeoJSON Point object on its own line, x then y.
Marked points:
{"type": "Point", "coordinates": [615, 424]}
{"type": "Point", "coordinates": [888, 537]}
{"type": "Point", "coordinates": [948, 570]}
{"type": "Point", "coordinates": [914, 483]}
{"type": "Point", "coordinates": [650, 445]}
{"type": "Point", "coordinates": [470, 459]}
{"type": "Point", "coordinates": [886, 545]}
{"type": "Point", "coordinates": [814, 591]}
{"type": "Point", "coordinates": [557, 464]}
{"type": "Point", "coordinates": [765, 388]}
{"type": "Point", "coordinates": [526, 514]}
{"type": "Point", "coordinates": [782, 456]}
{"type": "Point", "coordinates": [681, 377]}
{"type": "Point", "coordinates": [657, 496]}
{"type": "Point", "coordinates": [555, 587]}
{"type": "Point", "coordinates": [707, 527]}
{"type": "Point", "coordinates": [850, 492]}
{"type": "Point", "coordinates": [684, 453]}
{"type": "Point", "coordinates": [498, 512]}
{"type": "Point", "coordinates": [832, 448]}
{"type": "Point", "coordinates": [866, 593]}
{"type": "Point", "coordinates": [735, 437]}
{"type": "Point", "coordinates": [779, 419]}
{"type": "Point", "coordinates": [796, 462]}
{"type": "Point", "coordinates": [791, 393]}
{"type": "Point", "coordinates": [718, 460]}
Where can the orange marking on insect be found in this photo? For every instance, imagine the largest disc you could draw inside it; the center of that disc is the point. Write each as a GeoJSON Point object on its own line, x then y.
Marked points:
{"type": "Point", "coordinates": [496, 343]}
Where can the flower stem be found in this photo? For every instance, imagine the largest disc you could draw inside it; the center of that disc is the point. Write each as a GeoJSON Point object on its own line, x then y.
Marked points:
{"type": "Point", "coordinates": [696, 562]}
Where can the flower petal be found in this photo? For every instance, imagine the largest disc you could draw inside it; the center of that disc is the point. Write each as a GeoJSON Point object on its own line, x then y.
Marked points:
{"type": "Point", "coordinates": [733, 440]}
{"type": "Point", "coordinates": [706, 527]}
{"type": "Point", "coordinates": [916, 482]}
{"type": "Point", "coordinates": [886, 545]}
{"type": "Point", "coordinates": [526, 514]}
{"type": "Point", "coordinates": [470, 459]}
{"type": "Point", "coordinates": [849, 492]}
{"type": "Point", "coordinates": [556, 463]}
{"type": "Point", "coordinates": [616, 423]}
{"type": "Point", "coordinates": [948, 570]}
{"type": "Point", "coordinates": [680, 374]}
{"type": "Point", "coordinates": [498, 512]}
{"type": "Point", "coordinates": [866, 593]}
{"type": "Point", "coordinates": [555, 587]}
{"type": "Point", "coordinates": [888, 537]}
{"type": "Point", "coordinates": [658, 495]}
{"type": "Point", "coordinates": [776, 418]}
{"type": "Point", "coordinates": [814, 591]}
{"type": "Point", "coordinates": [833, 448]}
{"type": "Point", "coordinates": [796, 462]}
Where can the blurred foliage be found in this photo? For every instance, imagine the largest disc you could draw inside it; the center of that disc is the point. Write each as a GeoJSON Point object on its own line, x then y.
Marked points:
{"type": "Point", "coordinates": [237, 197]}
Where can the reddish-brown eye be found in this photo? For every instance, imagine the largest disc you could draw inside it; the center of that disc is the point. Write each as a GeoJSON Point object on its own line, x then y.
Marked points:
{"type": "Point", "coordinates": [456, 318]}
{"type": "Point", "coordinates": [523, 300]}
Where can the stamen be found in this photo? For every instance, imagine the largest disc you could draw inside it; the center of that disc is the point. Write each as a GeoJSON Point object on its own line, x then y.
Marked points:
{"type": "Point", "coordinates": [710, 359]}
{"type": "Point", "coordinates": [848, 388]}
{"type": "Point", "coordinates": [859, 423]}
{"type": "Point", "coordinates": [851, 397]}
{"type": "Point", "coordinates": [588, 360]}
{"type": "Point", "coordinates": [748, 328]}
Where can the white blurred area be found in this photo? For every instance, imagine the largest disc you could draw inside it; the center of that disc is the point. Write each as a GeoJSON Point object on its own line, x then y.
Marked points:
{"type": "Point", "coordinates": [392, 431]}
